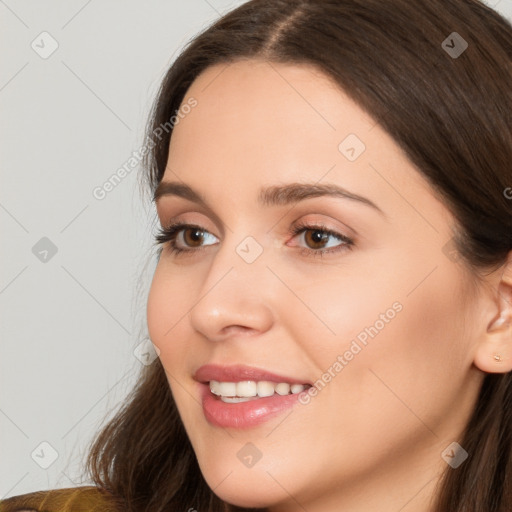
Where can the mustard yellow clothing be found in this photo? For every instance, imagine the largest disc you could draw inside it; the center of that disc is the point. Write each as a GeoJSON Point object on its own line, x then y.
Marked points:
{"type": "Point", "coordinates": [76, 499]}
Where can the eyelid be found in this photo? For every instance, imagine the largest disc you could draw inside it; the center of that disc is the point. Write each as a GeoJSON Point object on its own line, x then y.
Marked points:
{"type": "Point", "coordinates": [328, 220]}
{"type": "Point", "coordinates": [183, 214]}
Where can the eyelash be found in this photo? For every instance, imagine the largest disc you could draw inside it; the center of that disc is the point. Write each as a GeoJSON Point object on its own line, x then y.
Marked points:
{"type": "Point", "coordinates": [170, 233]}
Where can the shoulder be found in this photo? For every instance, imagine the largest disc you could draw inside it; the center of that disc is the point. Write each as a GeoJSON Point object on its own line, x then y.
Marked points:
{"type": "Point", "coordinates": [75, 499]}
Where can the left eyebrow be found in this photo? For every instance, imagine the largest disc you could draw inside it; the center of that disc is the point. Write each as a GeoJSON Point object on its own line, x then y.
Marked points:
{"type": "Point", "coordinates": [293, 192]}
{"type": "Point", "coordinates": [276, 195]}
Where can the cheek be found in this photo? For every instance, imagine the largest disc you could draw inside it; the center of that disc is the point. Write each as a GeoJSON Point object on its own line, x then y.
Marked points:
{"type": "Point", "coordinates": [391, 344]}
{"type": "Point", "coordinates": [169, 300]}
{"type": "Point", "coordinates": [336, 309]}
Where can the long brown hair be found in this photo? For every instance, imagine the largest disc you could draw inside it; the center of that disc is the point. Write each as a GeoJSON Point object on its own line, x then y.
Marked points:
{"type": "Point", "coordinates": [450, 113]}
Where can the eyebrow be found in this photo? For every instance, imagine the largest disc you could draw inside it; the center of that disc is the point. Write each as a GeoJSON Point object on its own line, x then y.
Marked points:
{"type": "Point", "coordinates": [275, 195]}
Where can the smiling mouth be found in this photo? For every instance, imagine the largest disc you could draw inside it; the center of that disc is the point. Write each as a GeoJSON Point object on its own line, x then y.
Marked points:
{"type": "Point", "coordinates": [244, 391]}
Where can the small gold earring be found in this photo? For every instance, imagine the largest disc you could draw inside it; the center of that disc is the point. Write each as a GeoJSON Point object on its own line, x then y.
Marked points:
{"type": "Point", "coordinates": [497, 358]}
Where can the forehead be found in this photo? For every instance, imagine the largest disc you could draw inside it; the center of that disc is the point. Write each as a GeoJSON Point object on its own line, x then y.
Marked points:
{"type": "Point", "coordinates": [259, 116]}
{"type": "Point", "coordinates": [261, 122]}
{"type": "Point", "coordinates": [264, 97]}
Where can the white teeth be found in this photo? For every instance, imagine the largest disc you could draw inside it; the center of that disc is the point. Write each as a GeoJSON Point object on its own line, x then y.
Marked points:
{"type": "Point", "coordinates": [297, 388]}
{"type": "Point", "coordinates": [234, 399]}
{"type": "Point", "coordinates": [265, 388]}
{"type": "Point", "coordinates": [283, 388]}
{"type": "Point", "coordinates": [224, 388]}
{"type": "Point", "coordinates": [246, 388]}
{"type": "Point", "coordinates": [234, 392]}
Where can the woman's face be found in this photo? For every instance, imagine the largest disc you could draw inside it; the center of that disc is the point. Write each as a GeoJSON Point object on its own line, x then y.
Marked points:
{"type": "Point", "coordinates": [381, 322]}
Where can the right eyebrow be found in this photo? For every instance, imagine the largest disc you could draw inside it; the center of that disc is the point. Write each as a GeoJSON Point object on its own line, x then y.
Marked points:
{"type": "Point", "coordinates": [278, 195]}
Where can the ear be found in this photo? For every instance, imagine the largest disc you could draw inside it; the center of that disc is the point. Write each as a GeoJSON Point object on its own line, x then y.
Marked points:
{"type": "Point", "coordinates": [494, 351]}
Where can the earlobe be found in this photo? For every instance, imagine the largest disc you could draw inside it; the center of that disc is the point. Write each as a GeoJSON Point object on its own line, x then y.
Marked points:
{"type": "Point", "coordinates": [494, 352]}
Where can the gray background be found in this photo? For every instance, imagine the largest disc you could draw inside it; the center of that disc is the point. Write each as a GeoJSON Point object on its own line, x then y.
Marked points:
{"type": "Point", "coordinates": [70, 325]}
{"type": "Point", "coordinates": [73, 324]}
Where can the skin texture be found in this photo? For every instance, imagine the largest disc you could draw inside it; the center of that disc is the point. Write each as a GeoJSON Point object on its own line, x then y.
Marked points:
{"type": "Point", "coordinates": [372, 438]}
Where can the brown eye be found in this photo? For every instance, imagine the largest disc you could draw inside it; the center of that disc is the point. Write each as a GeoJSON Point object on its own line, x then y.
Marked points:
{"type": "Point", "coordinates": [319, 239]}
{"type": "Point", "coordinates": [184, 238]}
{"type": "Point", "coordinates": [193, 237]}
{"type": "Point", "coordinates": [315, 238]}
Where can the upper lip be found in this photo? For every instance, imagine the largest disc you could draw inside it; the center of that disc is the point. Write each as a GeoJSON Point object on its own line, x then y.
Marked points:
{"type": "Point", "coordinates": [240, 372]}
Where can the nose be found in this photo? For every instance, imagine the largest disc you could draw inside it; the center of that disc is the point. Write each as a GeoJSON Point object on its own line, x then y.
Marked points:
{"type": "Point", "coordinates": [235, 298]}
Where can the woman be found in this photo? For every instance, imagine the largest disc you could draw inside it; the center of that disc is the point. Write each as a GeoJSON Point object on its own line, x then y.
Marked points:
{"type": "Point", "coordinates": [332, 302]}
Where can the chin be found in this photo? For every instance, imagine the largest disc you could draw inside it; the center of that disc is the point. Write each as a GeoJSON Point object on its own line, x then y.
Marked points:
{"type": "Point", "coordinates": [245, 487]}
{"type": "Point", "coordinates": [248, 496]}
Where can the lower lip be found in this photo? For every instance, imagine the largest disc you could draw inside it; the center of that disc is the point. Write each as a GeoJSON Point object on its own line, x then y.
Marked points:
{"type": "Point", "coordinates": [243, 414]}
